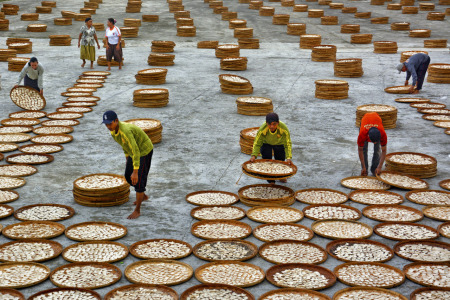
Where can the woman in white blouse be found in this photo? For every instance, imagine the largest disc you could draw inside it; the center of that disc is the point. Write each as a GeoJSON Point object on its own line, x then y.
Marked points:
{"type": "Point", "coordinates": [114, 47]}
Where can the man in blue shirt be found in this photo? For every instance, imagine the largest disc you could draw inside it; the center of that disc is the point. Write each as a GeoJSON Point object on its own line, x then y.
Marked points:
{"type": "Point", "coordinates": [416, 66]}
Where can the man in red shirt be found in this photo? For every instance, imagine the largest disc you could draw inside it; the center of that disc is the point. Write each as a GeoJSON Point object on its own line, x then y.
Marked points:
{"type": "Point", "coordinates": [372, 130]}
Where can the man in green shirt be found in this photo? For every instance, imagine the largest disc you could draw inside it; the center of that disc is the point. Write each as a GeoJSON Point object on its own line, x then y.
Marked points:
{"type": "Point", "coordinates": [273, 136]}
{"type": "Point", "coordinates": [138, 149]}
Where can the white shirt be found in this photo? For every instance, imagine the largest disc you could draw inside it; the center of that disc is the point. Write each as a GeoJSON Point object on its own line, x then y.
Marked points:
{"type": "Point", "coordinates": [113, 35]}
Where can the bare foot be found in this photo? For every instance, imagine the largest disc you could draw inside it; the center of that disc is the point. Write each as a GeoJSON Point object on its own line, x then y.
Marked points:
{"type": "Point", "coordinates": [83, 64]}
{"type": "Point", "coordinates": [145, 199]}
{"type": "Point", "coordinates": [134, 215]}
{"type": "Point", "coordinates": [109, 69]}
{"type": "Point", "coordinates": [92, 66]}
{"type": "Point", "coordinates": [415, 92]}
{"type": "Point", "coordinates": [283, 180]}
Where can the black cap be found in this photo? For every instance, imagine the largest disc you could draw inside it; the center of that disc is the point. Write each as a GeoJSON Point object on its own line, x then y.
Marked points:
{"type": "Point", "coordinates": [374, 135]}
{"type": "Point", "coordinates": [272, 117]}
{"type": "Point", "coordinates": [109, 117]}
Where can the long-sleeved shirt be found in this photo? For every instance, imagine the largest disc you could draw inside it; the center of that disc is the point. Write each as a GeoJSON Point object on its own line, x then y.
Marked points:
{"type": "Point", "coordinates": [281, 136]}
{"type": "Point", "coordinates": [412, 65]}
{"type": "Point", "coordinates": [33, 74]}
{"type": "Point", "coordinates": [134, 141]}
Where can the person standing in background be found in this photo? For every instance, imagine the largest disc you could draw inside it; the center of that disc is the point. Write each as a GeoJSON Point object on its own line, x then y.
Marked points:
{"type": "Point", "coordinates": [32, 75]}
{"type": "Point", "coordinates": [113, 47]}
{"type": "Point", "coordinates": [86, 42]}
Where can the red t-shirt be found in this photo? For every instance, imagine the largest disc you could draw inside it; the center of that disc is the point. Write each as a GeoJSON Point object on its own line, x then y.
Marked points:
{"type": "Point", "coordinates": [368, 121]}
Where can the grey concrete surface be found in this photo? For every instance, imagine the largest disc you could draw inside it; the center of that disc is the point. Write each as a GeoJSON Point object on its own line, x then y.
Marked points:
{"type": "Point", "coordinates": [200, 147]}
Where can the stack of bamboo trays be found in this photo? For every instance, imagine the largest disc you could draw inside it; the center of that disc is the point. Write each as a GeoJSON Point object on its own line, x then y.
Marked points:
{"type": "Point", "coordinates": [324, 2]}
{"type": "Point", "coordinates": [348, 67]}
{"type": "Point", "coordinates": [324, 53]}
{"type": "Point", "coordinates": [22, 48]}
{"type": "Point", "coordinates": [436, 16]}
{"type": "Point", "coordinates": [99, 26]}
{"type": "Point", "coordinates": [300, 8]}
{"type": "Point", "coordinates": [235, 85]}
{"type": "Point", "coordinates": [266, 11]}
{"type": "Point", "coordinates": [233, 63]}
{"type": "Point", "coordinates": [287, 3]}
{"type": "Point", "coordinates": [207, 44]}
{"type": "Point", "coordinates": [385, 47]}
{"type": "Point", "coordinates": [16, 64]}
{"type": "Point", "coordinates": [130, 32]}
{"type": "Point", "coordinates": [407, 2]}
{"type": "Point", "coordinates": [247, 138]}
{"type": "Point", "coordinates": [237, 23]}
{"type": "Point", "coordinates": [350, 28]}
{"type": "Point", "coordinates": [439, 73]}
{"type": "Point", "coordinates": [101, 61]}
{"type": "Point", "coordinates": [152, 127]}
{"type": "Point", "coordinates": [218, 10]}
{"type": "Point", "coordinates": [4, 24]}
{"type": "Point", "coordinates": [424, 169]}
{"type": "Point", "coordinates": [48, 3]}
{"type": "Point", "coordinates": [441, 43]}
{"type": "Point", "coordinates": [296, 28]}
{"type": "Point", "coordinates": [280, 19]}
{"type": "Point", "coordinates": [17, 40]}
{"type": "Point", "coordinates": [7, 53]}
{"type": "Point", "coordinates": [10, 9]}
{"type": "Point", "coordinates": [186, 31]}
{"type": "Point", "coordinates": [447, 13]}
{"type": "Point", "coordinates": [400, 26]}
{"type": "Point", "coordinates": [387, 113]}
{"type": "Point", "coordinates": [394, 6]}
{"type": "Point", "coordinates": [160, 59]}
{"type": "Point", "coordinates": [407, 54]}
{"type": "Point", "coordinates": [116, 195]}
{"type": "Point", "coordinates": [29, 17]}
{"type": "Point", "coordinates": [335, 5]}
{"type": "Point", "coordinates": [43, 10]}
{"type": "Point", "coordinates": [256, 5]}
{"type": "Point", "coordinates": [91, 11]}
{"type": "Point", "coordinates": [37, 28]}
{"type": "Point", "coordinates": [151, 98]}
{"type": "Point", "coordinates": [60, 40]}
{"type": "Point", "coordinates": [426, 6]}
{"type": "Point", "coordinates": [229, 15]}
{"type": "Point", "coordinates": [81, 17]}
{"type": "Point", "coordinates": [349, 10]}
{"type": "Point", "coordinates": [162, 46]}
{"type": "Point", "coordinates": [376, 2]}
{"type": "Point", "coordinates": [248, 43]}
{"type": "Point", "coordinates": [68, 14]}
{"type": "Point", "coordinates": [243, 33]}
{"type": "Point", "coordinates": [411, 10]}
{"type": "Point", "coordinates": [150, 18]}
{"type": "Point", "coordinates": [331, 89]}
{"type": "Point", "coordinates": [254, 106]}
{"type": "Point", "coordinates": [309, 41]}
{"type": "Point", "coordinates": [315, 13]}
{"type": "Point", "coordinates": [420, 33]}
{"type": "Point", "coordinates": [63, 22]}
{"type": "Point", "coordinates": [132, 22]}
{"type": "Point", "coordinates": [152, 76]}
{"type": "Point", "coordinates": [363, 15]}
{"type": "Point", "coordinates": [329, 20]}
{"type": "Point", "coordinates": [181, 14]}
{"type": "Point", "coordinates": [361, 38]}
{"type": "Point", "coordinates": [91, 5]}
{"type": "Point", "coordinates": [184, 21]}
{"type": "Point", "coordinates": [379, 20]}
{"type": "Point", "coordinates": [227, 50]}
{"type": "Point", "coordinates": [133, 6]}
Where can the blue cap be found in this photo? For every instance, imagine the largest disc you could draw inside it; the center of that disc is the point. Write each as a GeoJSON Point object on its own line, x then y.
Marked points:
{"type": "Point", "coordinates": [109, 117]}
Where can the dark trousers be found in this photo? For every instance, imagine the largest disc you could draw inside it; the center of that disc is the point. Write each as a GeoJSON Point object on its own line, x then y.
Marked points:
{"type": "Point", "coordinates": [144, 168]}
{"type": "Point", "coordinates": [278, 152]}
{"type": "Point", "coordinates": [421, 73]}
{"type": "Point", "coordinates": [113, 52]}
{"type": "Point", "coordinates": [31, 83]}
{"type": "Point", "coordinates": [375, 158]}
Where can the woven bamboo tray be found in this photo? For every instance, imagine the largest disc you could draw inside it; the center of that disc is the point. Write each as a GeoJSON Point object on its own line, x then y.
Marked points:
{"type": "Point", "coordinates": [53, 129]}
{"type": "Point", "coordinates": [233, 63]}
{"type": "Point", "coordinates": [361, 38]}
{"type": "Point", "coordinates": [50, 158]}
{"type": "Point", "coordinates": [7, 53]}
{"type": "Point", "coordinates": [445, 292]}
{"type": "Point", "coordinates": [8, 147]}
{"type": "Point", "coordinates": [280, 19]}
{"type": "Point", "coordinates": [60, 229]}
{"type": "Point", "coordinates": [96, 243]}
{"type": "Point", "coordinates": [160, 59]}
{"type": "Point", "coordinates": [215, 286]}
{"type": "Point", "coordinates": [16, 183]}
{"type": "Point", "coordinates": [439, 73]}
{"type": "Point", "coordinates": [412, 100]}
{"type": "Point", "coordinates": [199, 273]}
{"type": "Point", "coordinates": [379, 184]}
{"type": "Point", "coordinates": [132, 288]}
{"type": "Point", "coordinates": [296, 28]}
{"type": "Point", "coordinates": [309, 41]}
{"type": "Point", "coordinates": [309, 236]}
{"type": "Point", "coordinates": [441, 43]}
{"type": "Point", "coordinates": [349, 10]}
{"type": "Point", "coordinates": [436, 16]}
{"type": "Point", "coordinates": [323, 53]}
{"type": "Point", "coordinates": [445, 184]}
{"type": "Point", "coordinates": [407, 210]}
{"type": "Point", "coordinates": [350, 28]}
{"type": "Point", "coordinates": [31, 148]}
{"type": "Point", "coordinates": [8, 208]}
{"type": "Point", "coordinates": [300, 8]}
{"type": "Point", "coordinates": [58, 291]}
{"type": "Point", "coordinates": [388, 114]}
{"type": "Point", "coordinates": [377, 227]}
{"type": "Point", "coordinates": [235, 85]}
{"type": "Point", "coordinates": [245, 167]}
{"type": "Point", "coordinates": [330, 206]}
{"type": "Point", "coordinates": [420, 33]}
{"type": "Point", "coordinates": [151, 76]}
{"type": "Point", "coordinates": [436, 117]}
{"type": "Point", "coordinates": [362, 236]}
{"type": "Point", "coordinates": [445, 197]}
{"type": "Point", "coordinates": [56, 247]}
{"type": "Point", "coordinates": [242, 225]}
{"type": "Point", "coordinates": [14, 137]}
{"type": "Point", "coordinates": [29, 17]}
{"type": "Point", "coordinates": [27, 98]}
{"type": "Point", "coordinates": [444, 229]}
{"type": "Point", "coordinates": [76, 109]}
{"type": "Point", "coordinates": [252, 249]}
{"type": "Point", "coordinates": [68, 229]}
{"type": "Point", "coordinates": [428, 105]}
{"type": "Point", "coordinates": [227, 50]}
{"type": "Point", "coordinates": [445, 246]}
{"type": "Point", "coordinates": [8, 196]}
{"type": "Point", "coordinates": [124, 186]}
{"type": "Point", "coordinates": [290, 253]}
{"type": "Point", "coordinates": [280, 268]}
{"type": "Point", "coordinates": [16, 129]}
{"type": "Point", "coordinates": [134, 246]}
{"type": "Point", "coordinates": [363, 15]}
{"type": "Point", "coordinates": [79, 103]}
{"type": "Point", "coordinates": [269, 207]}
{"type": "Point", "coordinates": [332, 246]}
{"type": "Point", "coordinates": [418, 185]}
{"type": "Point", "coordinates": [437, 111]}
{"type": "Point", "coordinates": [255, 5]}
{"type": "Point", "coordinates": [14, 170]}
{"type": "Point", "coordinates": [62, 21]}
{"type": "Point", "coordinates": [52, 139]}
{"type": "Point", "coordinates": [207, 44]}
{"type": "Point", "coordinates": [348, 67]}
{"type": "Point", "coordinates": [253, 106]}
{"type": "Point", "coordinates": [428, 212]}
{"type": "Point", "coordinates": [37, 114]}
{"type": "Point", "coordinates": [287, 292]}
{"type": "Point", "coordinates": [239, 215]}
{"type": "Point", "coordinates": [162, 46]}
{"type": "Point", "coordinates": [380, 20]}
{"type": "Point", "coordinates": [422, 171]}
{"type": "Point", "coordinates": [22, 48]}
{"type": "Point", "coordinates": [398, 271]}
{"type": "Point", "coordinates": [402, 89]}
{"type": "Point", "coordinates": [252, 201]}
{"type": "Point", "coordinates": [266, 11]}
{"type": "Point", "coordinates": [130, 268]}
{"type": "Point", "coordinates": [331, 89]}
{"type": "Point", "coordinates": [248, 43]}
{"type": "Point", "coordinates": [329, 20]}
{"type": "Point", "coordinates": [421, 282]}
{"type": "Point", "coordinates": [315, 13]}
{"type": "Point", "coordinates": [96, 73]}
{"type": "Point", "coordinates": [20, 122]}
{"type": "Point", "coordinates": [71, 211]}
{"type": "Point", "coordinates": [12, 293]}
{"type": "Point", "coordinates": [5, 266]}
{"type": "Point", "coordinates": [371, 291]}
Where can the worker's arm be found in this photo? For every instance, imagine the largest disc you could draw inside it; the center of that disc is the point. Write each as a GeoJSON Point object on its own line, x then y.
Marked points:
{"type": "Point", "coordinates": [22, 74]}
{"type": "Point", "coordinates": [382, 158]}
{"type": "Point", "coordinates": [41, 78]}
{"type": "Point", "coordinates": [96, 40]}
{"type": "Point", "coordinates": [259, 140]}
{"type": "Point", "coordinates": [79, 39]}
{"type": "Point", "coordinates": [288, 147]}
{"type": "Point", "coordinates": [361, 159]}
{"type": "Point", "coordinates": [135, 155]}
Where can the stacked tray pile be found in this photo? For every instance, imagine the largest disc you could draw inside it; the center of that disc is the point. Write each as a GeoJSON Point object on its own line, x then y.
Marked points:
{"type": "Point", "coordinates": [29, 17]}
{"type": "Point", "coordinates": [436, 16]}
{"type": "Point", "coordinates": [151, 127]}
{"type": "Point", "coordinates": [151, 76]}
{"type": "Point", "coordinates": [329, 20]}
{"type": "Point", "coordinates": [254, 106]}
{"type": "Point", "coordinates": [235, 85]}
{"type": "Point", "coordinates": [323, 53]}
{"type": "Point", "coordinates": [185, 21]}
{"type": "Point", "coordinates": [243, 33]}
{"type": "Point", "coordinates": [10, 9]}
{"type": "Point", "coordinates": [400, 26]}
{"type": "Point", "coordinates": [331, 89]}
{"type": "Point", "coordinates": [426, 6]}
{"type": "Point", "coordinates": [407, 54]}
{"type": "Point", "coordinates": [439, 73]}
{"type": "Point", "coordinates": [388, 114]}
{"type": "Point", "coordinates": [151, 97]}
{"type": "Point", "coordinates": [37, 28]}
{"type": "Point", "coordinates": [248, 43]}
{"type": "Point", "coordinates": [412, 10]}
{"type": "Point", "coordinates": [7, 53]}
{"type": "Point", "coordinates": [101, 61]}
{"type": "Point", "coordinates": [266, 194]}
{"type": "Point", "coordinates": [309, 41]}
{"type": "Point", "coordinates": [420, 33]}
{"type": "Point", "coordinates": [162, 46]}
{"type": "Point", "coordinates": [361, 38]}
{"type": "Point", "coordinates": [186, 31]}
{"type": "Point", "coordinates": [363, 15]}
{"type": "Point", "coordinates": [150, 18]}
{"type": "Point", "coordinates": [412, 163]}
{"type": "Point", "coordinates": [21, 47]}
{"type": "Point", "coordinates": [130, 32]}
{"type": "Point", "coordinates": [296, 28]}
{"type": "Point", "coordinates": [101, 190]}
{"type": "Point", "coordinates": [300, 8]}
{"type": "Point", "coordinates": [60, 40]}
{"type": "Point", "coordinates": [207, 44]}
{"type": "Point", "coordinates": [63, 22]}
{"type": "Point", "coordinates": [133, 6]}
{"type": "Point", "coordinates": [4, 24]}
{"type": "Point", "coordinates": [227, 50]}
{"type": "Point", "coordinates": [269, 169]}
{"type": "Point", "coordinates": [385, 47]}
{"type": "Point", "coordinates": [350, 28]}
{"type": "Point", "coordinates": [132, 22]}
{"type": "Point", "coordinates": [247, 137]}
{"type": "Point", "coordinates": [349, 10]}
{"type": "Point", "coordinates": [348, 67]}
{"type": "Point", "coordinates": [160, 59]}
{"type": "Point", "coordinates": [237, 23]}
{"type": "Point", "coordinates": [43, 9]}
{"type": "Point", "coordinates": [315, 13]}
{"type": "Point", "coordinates": [380, 20]}
{"type": "Point", "coordinates": [441, 43]}
{"type": "Point", "coordinates": [266, 11]}
{"type": "Point", "coordinates": [256, 5]}
{"type": "Point", "coordinates": [233, 63]}
{"type": "Point", "coordinates": [280, 19]}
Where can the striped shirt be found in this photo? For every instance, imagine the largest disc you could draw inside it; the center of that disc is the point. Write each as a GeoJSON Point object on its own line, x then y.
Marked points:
{"type": "Point", "coordinates": [281, 136]}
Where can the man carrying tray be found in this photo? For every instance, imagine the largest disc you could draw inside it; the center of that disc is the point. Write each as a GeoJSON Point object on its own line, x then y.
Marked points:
{"type": "Point", "coordinates": [138, 149]}
{"type": "Point", "coordinates": [416, 66]}
{"type": "Point", "coordinates": [32, 75]}
{"type": "Point", "coordinates": [372, 130]}
{"type": "Point", "coordinates": [274, 136]}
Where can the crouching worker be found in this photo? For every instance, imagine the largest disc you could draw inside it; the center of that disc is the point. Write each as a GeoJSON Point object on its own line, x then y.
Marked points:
{"type": "Point", "coordinates": [138, 149]}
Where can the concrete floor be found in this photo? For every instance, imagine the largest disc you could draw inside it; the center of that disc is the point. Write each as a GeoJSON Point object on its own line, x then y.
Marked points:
{"type": "Point", "coordinates": [200, 147]}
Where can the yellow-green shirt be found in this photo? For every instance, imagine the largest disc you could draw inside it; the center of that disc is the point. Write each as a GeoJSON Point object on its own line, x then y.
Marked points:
{"type": "Point", "coordinates": [281, 136]}
{"type": "Point", "coordinates": [134, 141]}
